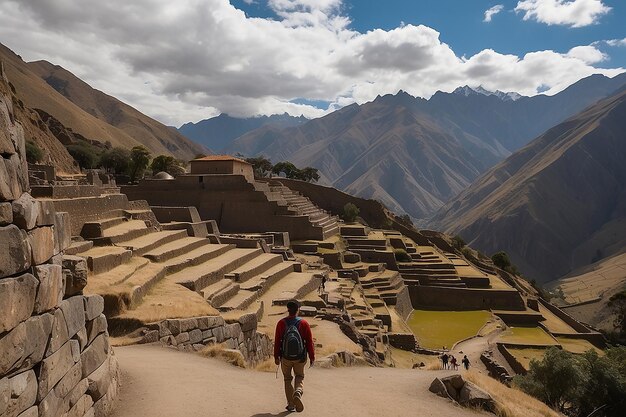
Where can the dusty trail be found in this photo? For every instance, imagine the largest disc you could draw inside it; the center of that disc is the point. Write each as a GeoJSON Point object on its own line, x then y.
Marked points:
{"type": "Point", "coordinates": [160, 381]}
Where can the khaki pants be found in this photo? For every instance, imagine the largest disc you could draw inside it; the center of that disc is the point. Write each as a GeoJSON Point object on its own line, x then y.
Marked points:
{"type": "Point", "coordinates": [298, 369]}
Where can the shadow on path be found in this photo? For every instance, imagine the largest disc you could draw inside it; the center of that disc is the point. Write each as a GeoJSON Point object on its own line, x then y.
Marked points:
{"type": "Point", "coordinates": [282, 414]}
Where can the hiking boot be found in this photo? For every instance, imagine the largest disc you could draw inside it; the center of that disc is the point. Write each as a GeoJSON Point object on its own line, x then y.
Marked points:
{"type": "Point", "coordinates": [297, 400]}
{"type": "Point", "coordinates": [290, 408]}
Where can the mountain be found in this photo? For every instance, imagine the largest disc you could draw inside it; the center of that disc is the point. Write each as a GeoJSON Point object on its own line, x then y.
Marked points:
{"type": "Point", "coordinates": [89, 112]}
{"type": "Point", "coordinates": [414, 154]}
{"type": "Point", "coordinates": [467, 91]}
{"type": "Point", "coordinates": [557, 204]}
{"type": "Point", "coordinates": [218, 132]}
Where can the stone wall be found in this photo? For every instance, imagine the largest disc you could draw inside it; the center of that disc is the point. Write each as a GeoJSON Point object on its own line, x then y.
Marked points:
{"type": "Point", "coordinates": [196, 333]}
{"type": "Point", "coordinates": [465, 298]}
{"type": "Point", "coordinates": [55, 357]}
{"type": "Point", "coordinates": [403, 303]}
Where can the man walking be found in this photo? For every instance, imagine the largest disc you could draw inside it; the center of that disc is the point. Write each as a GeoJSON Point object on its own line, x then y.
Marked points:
{"type": "Point", "coordinates": [292, 342]}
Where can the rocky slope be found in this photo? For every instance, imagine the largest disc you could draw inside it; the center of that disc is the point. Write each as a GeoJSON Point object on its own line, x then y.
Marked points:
{"type": "Point", "coordinates": [414, 154]}
{"type": "Point", "coordinates": [89, 112]}
{"type": "Point", "coordinates": [557, 204]}
{"type": "Point", "coordinates": [218, 132]}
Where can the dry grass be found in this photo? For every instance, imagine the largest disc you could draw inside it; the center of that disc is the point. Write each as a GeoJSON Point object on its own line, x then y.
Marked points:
{"type": "Point", "coordinates": [227, 355]}
{"type": "Point", "coordinates": [510, 402]}
{"type": "Point", "coordinates": [267, 365]}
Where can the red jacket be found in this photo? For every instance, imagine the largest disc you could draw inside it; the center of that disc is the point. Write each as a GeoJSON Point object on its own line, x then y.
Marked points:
{"type": "Point", "coordinates": [305, 333]}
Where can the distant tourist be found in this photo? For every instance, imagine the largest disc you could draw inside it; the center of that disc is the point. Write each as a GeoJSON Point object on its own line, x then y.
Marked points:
{"type": "Point", "coordinates": [292, 342]}
{"type": "Point", "coordinates": [444, 360]}
{"type": "Point", "coordinates": [453, 364]}
{"type": "Point", "coordinates": [466, 362]}
{"type": "Point", "coordinates": [322, 288]}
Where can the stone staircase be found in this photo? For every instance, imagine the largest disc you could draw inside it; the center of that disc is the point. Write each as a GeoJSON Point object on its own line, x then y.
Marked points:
{"type": "Point", "coordinates": [301, 205]}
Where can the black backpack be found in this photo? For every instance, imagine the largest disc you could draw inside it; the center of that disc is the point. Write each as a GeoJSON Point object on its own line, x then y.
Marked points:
{"type": "Point", "coordinates": [293, 345]}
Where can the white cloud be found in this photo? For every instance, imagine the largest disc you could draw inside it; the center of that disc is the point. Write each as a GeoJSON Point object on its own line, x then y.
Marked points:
{"type": "Point", "coordinates": [492, 11]}
{"type": "Point", "coordinates": [574, 13]}
{"type": "Point", "coordinates": [191, 59]}
{"type": "Point", "coordinates": [616, 42]}
{"type": "Point", "coordinates": [588, 54]}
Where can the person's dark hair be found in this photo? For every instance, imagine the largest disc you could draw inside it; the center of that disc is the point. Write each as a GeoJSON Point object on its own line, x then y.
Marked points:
{"type": "Point", "coordinates": [292, 307]}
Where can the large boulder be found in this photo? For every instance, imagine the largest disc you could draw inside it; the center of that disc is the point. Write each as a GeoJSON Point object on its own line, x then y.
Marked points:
{"type": "Point", "coordinates": [51, 287]}
{"type": "Point", "coordinates": [15, 253]}
{"type": "Point", "coordinates": [75, 271]}
{"type": "Point", "coordinates": [74, 313]}
{"type": "Point", "coordinates": [23, 393]}
{"type": "Point", "coordinates": [6, 214]}
{"type": "Point", "coordinates": [438, 388]}
{"type": "Point", "coordinates": [25, 212]}
{"type": "Point", "coordinates": [41, 241]}
{"type": "Point", "coordinates": [24, 346]}
{"type": "Point", "coordinates": [55, 367]}
{"type": "Point", "coordinates": [472, 396]}
{"type": "Point", "coordinates": [17, 299]}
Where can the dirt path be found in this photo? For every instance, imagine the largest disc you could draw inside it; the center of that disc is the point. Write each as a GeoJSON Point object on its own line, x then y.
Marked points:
{"type": "Point", "coordinates": [160, 381]}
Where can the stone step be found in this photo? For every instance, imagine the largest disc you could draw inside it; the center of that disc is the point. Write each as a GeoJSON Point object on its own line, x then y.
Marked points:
{"type": "Point", "coordinates": [78, 246]}
{"type": "Point", "coordinates": [96, 228]}
{"type": "Point", "coordinates": [198, 276]}
{"type": "Point", "coordinates": [104, 258]}
{"type": "Point", "coordinates": [128, 230]}
{"type": "Point", "coordinates": [144, 244]}
{"type": "Point", "coordinates": [176, 248]}
{"type": "Point", "coordinates": [196, 257]}
{"type": "Point", "coordinates": [224, 295]}
{"type": "Point", "coordinates": [303, 283]}
{"type": "Point", "coordinates": [254, 267]}
{"type": "Point", "coordinates": [329, 231]}
{"type": "Point", "coordinates": [269, 277]}
{"type": "Point", "coordinates": [239, 301]}
{"type": "Point", "coordinates": [118, 274]}
{"type": "Point", "coordinates": [209, 291]}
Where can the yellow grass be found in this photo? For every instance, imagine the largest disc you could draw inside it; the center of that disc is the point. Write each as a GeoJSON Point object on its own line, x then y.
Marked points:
{"type": "Point", "coordinates": [435, 329]}
{"type": "Point", "coordinates": [267, 365]}
{"type": "Point", "coordinates": [525, 355]}
{"type": "Point", "coordinates": [527, 336]}
{"type": "Point", "coordinates": [227, 355]}
{"type": "Point", "coordinates": [510, 402]}
{"type": "Point", "coordinates": [577, 345]}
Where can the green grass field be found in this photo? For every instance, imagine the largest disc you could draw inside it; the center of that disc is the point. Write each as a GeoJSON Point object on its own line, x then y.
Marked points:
{"type": "Point", "coordinates": [435, 329]}
{"type": "Point", "coordinates": [527, 336]}
{"type": "Point", "coordinates": [524, 356]}
{"type": "Point", "coordinates": [577, 345]}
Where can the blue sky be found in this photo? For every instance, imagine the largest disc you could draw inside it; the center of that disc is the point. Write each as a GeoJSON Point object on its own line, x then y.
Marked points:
{"type": "Point", "coordinates": [188, 60]}
{"type": "Point", "coordinates": [461, 25]}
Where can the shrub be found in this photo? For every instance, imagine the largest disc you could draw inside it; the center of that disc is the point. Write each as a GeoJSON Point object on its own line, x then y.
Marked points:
{"type": "Point", "coordinates": [34, 154]}
{"type": "Point", "coordinates": [350, 212]}
{"type": "Point", "coordinates": [458, 243]}
{"type": "Point", "coordinates": [139, 160]}
{"type": "Point", "coordinates": [116, 160]}
{"type": "Point", "coordinates": [401, 255]}
{"type": "Point", "coordinates": [502, 261]}
{"type": "Point", "coordinates": [84, 153]}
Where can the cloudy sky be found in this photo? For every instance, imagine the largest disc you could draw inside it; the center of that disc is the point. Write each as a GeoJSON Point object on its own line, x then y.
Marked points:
{"type": "Point", "coordinates": [187, 60]}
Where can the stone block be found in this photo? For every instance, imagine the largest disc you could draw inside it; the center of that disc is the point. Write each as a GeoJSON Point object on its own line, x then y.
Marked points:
{"type": "Point", "coordinates": [17, 299]}
{"type": "Point", "coordinates": [82, 338]}
{"type": "Point", "coordinates": [150, 336]}
{"type": "Point", "coordinates": [94, 355]}
{"type": "Point", "coordinates": [207, 334]}
{"type": "Point", "coordinates": [62, 232]}
{"type": "Point", "coordinates": [248, 322]}
{"type": "Point", "coordinates": [438, 388]}
{"type": "Point", "coordinates": [24, 346]}
{"type": "Point", "coordinates": [5, 395]}
{"type": "Point", "coordinates": [75, 271]}
{"type": "Point", "coordinates": [59, 334]}
{"type": "Point", "coordinates": [6, 214]}
{"type": "Point", "coordinates": [15, 252]}
{"type": "Point", "coordinates": [75, 349]}
{"type": "Point", "coordinates": [195, 336]}
{"type": "Point", "coordinates": [104, 405]}
{"type": "Point", "coordinates": [46, 213]}
{"type": "Point", "coordinates": [77, 392]}
{"type": "Point", "coordinates": [182, 338]}
{"type": "Point", "coordinates": [69, 381]}
{"type": "Point", "coordinates": [218, 332]}
{"type": "Point", "coordinates": [41, 241]}
{"type": "Point", "coordinates": [25, 212]}
{"type": "Point", "coordinates": [96, 327]}
{"type": "Point", "coordinates": [94, 306]}
{"type": "Point", "coordinates": [472, 396]}
{"type": "Point", "coordinates": [23, 393]}
{"type": "Point", "coordinates": [82, 406]}
{"type": "Point", "coordinates": [203, 323]}
{"type": "Point", "coordinates": [99, 381]}
{"type": "Point", "coordinates": [51, 287]}
{"type": "Point", "coordinates": [53, 368]}
{"type": "Point", "coordinates": [187, 325]}
{"type": "Point", "coordinates": [31, 412]}
{"type": "Point", "coordinates": [174, 326]}
{"type": "Point", "coordinates": [13, 180]}
{"type": "Point", "coordinates": [74, 313]}
{"type": "Point", "coordinates": [216, 321]}
{"type": "Point", "coordinates": [52, 405]}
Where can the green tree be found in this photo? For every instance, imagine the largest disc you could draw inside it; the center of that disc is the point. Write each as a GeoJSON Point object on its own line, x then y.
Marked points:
{"type": "Point", "coordinates": [603, 385]}
{"type": "Point", "coordinates": [34, 154]}
{"type": "Point", "coordinates": [502, 261]}
{"type": "Point", "coordinates": [261, 166]}
{"type": "Point", "coordinates": [116, 160]}
{"type": "Point", "coordinates": [309, 174]}
{"type": "Point", "coordinates": [350, 212]}
{"type": "Point", "coordinates": [458, 243]}
{"type": "Point", "coordinates": [163, 163]}
{"type": "Point", "coordinates": [555, 379]}
{"type": "Point", "coordinates": [286, 168]}
{"type": "Point", "coordinates": [84, 154]}
{"type": "Point", "coordinates": [139, 160]}
{"type": "Point", "coordinates": [617, 303]}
